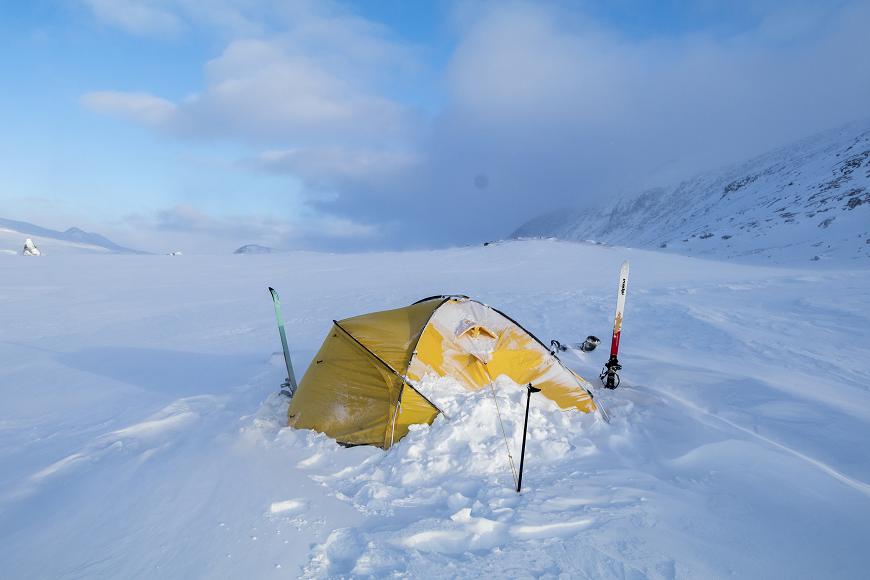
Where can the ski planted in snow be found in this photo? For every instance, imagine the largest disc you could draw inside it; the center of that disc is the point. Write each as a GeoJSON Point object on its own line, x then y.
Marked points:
{"type": "Point", "coordinates": [609, 375]}
{"type": "Point", "coordinates": [288, 387]}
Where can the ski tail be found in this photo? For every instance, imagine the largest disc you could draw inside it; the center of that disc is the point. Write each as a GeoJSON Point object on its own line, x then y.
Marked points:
{"type": "Point", "coordinates": [290, 383]}
{"type": "Point", "coordinates": [620, 308]}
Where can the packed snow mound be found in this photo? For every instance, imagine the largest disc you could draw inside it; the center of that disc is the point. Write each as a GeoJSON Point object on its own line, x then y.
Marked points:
{"type": "Point", "coordinates": [471, 447]}
{"type": "Point", "coordinates": [809, 201]}
{"type": "Point", "coordinates": [459, 477]}
{"type": "Point", "coordinates": [30, 248]}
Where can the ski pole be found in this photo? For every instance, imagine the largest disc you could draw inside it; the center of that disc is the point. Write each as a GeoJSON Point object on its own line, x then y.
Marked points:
{"type": "Point", "coordinates": [291, 378]}
{"type": "Point", "coordinates": [531, 390]}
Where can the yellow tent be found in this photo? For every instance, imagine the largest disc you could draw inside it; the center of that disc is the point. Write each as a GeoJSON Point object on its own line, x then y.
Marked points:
{"type": "Point", "coordinates": [363, 386]}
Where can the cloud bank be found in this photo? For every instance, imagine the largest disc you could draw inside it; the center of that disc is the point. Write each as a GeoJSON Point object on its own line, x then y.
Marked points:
{"type": "Point", "coordinates": [543, 106]}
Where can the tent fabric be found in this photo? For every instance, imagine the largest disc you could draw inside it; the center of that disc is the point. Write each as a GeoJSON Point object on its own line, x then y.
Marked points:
{"type": "Point", "coordinates": [364, 385]}
{"type": "Point", "coordinates": [392, 334]}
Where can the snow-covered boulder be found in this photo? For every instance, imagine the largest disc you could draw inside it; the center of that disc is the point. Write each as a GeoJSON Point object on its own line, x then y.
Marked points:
{"type": "Point", "coordinates": [30, 248]}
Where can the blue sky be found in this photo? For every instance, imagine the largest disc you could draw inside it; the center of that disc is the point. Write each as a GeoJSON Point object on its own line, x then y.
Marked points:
{"type": "Point", "coordinates": [208, 124]}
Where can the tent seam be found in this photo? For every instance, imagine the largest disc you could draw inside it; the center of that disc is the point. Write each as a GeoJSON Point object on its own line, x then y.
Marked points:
{"type": "Point", "coordinates": [425, 326]}
{"type": "Point", "coordinates": [405, 379]}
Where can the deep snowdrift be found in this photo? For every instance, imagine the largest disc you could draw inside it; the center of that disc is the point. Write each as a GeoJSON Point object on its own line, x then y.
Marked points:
{"type": "Point", "coordinates": [140, 435]}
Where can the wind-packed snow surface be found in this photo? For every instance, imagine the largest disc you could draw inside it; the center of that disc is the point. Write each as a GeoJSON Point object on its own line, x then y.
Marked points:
{"type": "Point", "coordinates": [141, 436]}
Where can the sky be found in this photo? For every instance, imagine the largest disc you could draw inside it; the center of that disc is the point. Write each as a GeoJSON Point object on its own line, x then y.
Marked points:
{"type": "Point", "coordinates": [203, 125]}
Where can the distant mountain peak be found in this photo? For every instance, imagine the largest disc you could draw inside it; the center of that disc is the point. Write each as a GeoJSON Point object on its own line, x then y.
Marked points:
{"type": "Point", "coordinates": [73, 234]}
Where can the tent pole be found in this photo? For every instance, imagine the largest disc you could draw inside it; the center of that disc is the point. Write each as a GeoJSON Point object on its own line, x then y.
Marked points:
{"type": "Point", "coordinates": [531, 390]}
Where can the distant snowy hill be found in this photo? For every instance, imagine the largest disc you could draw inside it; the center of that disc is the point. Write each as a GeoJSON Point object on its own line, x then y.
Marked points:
{"type": "Point", "coordinates": [806, 201]}
{"type": "Point", "coordinates": [255, 249]}
{"type": "Point", "coordinates": [74, 240]}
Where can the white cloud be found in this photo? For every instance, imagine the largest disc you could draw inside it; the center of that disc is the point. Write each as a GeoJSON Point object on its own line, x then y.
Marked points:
{"type": "Point", "coordinates": [185, 217]}
{"type": "Point", "coordinates": [271, 90]}
{"type": "Point", "coordinates": [137, 16]}
{"type": "Point", "coordinates": [520, 66]}
{"type": "Point", "coordinates": [266, 91]}
{"type": "Point", "coordinates": [187, 227]}
{"type": "Point", "coordinates": [338, 228]}
{"type": "Point", "coordinates": [332, 167]}
{"type": "Point", "coordinates": [300, 73]}
{"type": "Point", "coordinates": [139, 107]}
{"type": "Point", "coordinates": [519, 61]}
{"type": "Point", "coordinates": [544, 105]}
{"type": "Point", "coordinates": [300, 80]}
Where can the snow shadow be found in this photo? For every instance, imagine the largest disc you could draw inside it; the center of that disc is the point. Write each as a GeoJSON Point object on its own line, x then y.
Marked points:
{"type": "Point", "coordinates": [172, 372]}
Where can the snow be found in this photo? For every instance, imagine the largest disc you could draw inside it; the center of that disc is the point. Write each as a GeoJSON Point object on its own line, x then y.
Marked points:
{"type": "Point", "coordinates": [141, 433]}
{"type": "Point", "coordinates": [73, 240]}
{"type": "Point", "coordinates": [255, 249]}
{"type": "Point", "coordinates": [30, 249]}
{"type": "Point", "coordinates": [807, 202]}
{"type": "Point", "coordinates": [12, 242]}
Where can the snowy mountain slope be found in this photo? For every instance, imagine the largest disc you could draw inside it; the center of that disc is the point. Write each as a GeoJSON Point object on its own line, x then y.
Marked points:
{"type": "Point", "coordinates": [73, 240]}
{"type": "Point", "coordinates": [807, 201]}
{"type": "Point", "coordinates": [140, 435]}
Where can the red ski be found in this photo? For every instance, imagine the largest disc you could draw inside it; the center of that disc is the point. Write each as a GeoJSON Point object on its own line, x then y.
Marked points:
{"type": "Point", "coordinates": [609, 376]}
